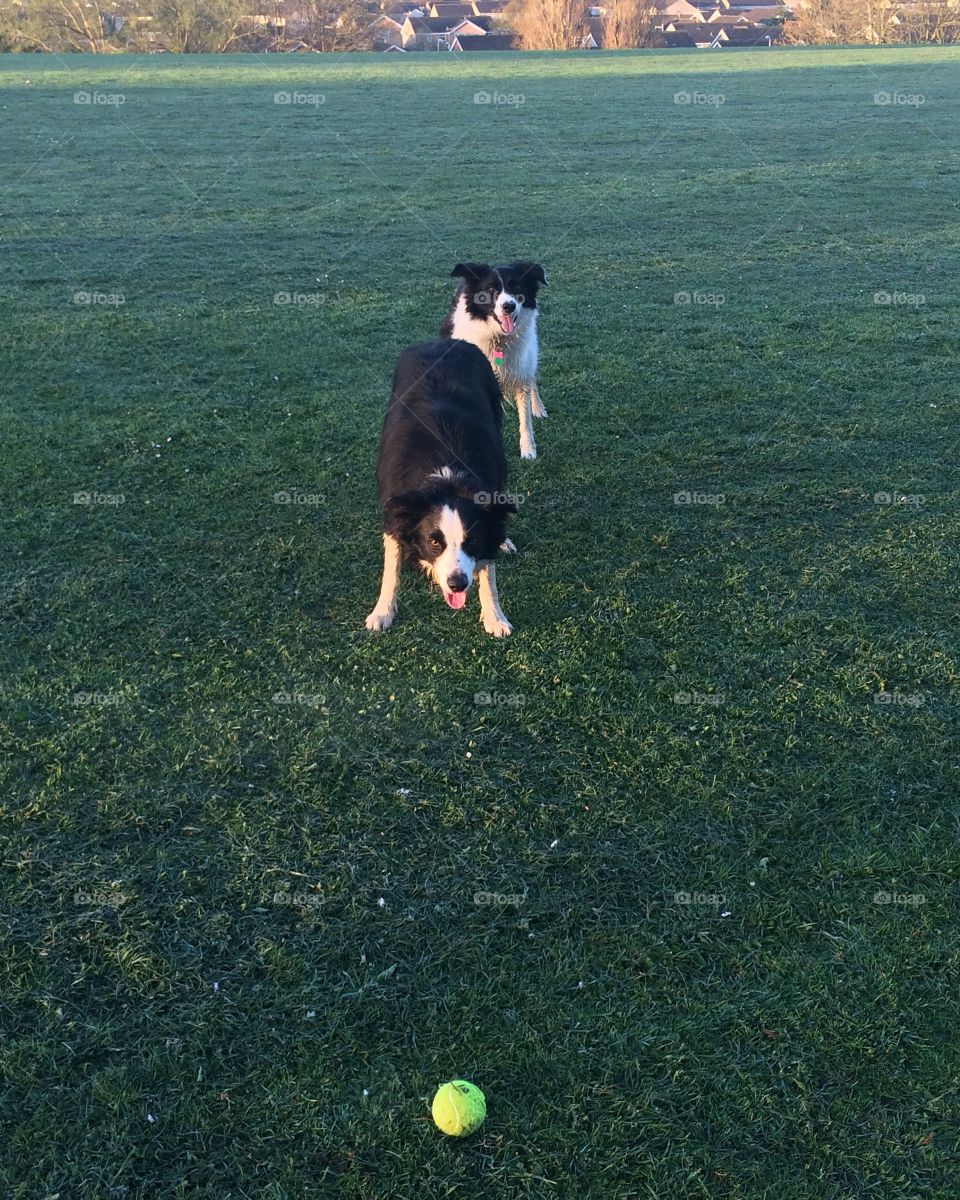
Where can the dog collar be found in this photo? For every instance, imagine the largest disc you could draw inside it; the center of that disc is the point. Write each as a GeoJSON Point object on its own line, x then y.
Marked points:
{"type": "Point", "coordinates": [498, 356]}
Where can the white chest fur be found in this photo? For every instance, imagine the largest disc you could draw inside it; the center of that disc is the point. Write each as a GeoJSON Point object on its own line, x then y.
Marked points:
{"type": "Point", "coordinates": [519, 350]}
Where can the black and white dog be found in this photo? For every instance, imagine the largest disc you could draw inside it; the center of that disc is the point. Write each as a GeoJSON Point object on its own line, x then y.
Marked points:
{"type": "Point", "coordinates": [442, 477]}
{"type": "Point", "coordinates": [495, 308]}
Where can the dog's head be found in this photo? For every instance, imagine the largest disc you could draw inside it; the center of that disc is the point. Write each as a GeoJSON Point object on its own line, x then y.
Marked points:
{"type": "Point", "coordinates": [503, 295]}
{"type": "Point", "coordinates": [448, 528]}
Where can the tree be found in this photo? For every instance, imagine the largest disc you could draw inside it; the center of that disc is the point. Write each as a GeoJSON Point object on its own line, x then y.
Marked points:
{"type": "Point", "coordinates": [930, 21]}
{"type": "Point", "coordinates": [549, 24]}
{"type": "Point", "coordinates": [60, 25]}
{"type": "Point", "coordinates": [626, 24]}
{"type": "Point", "coordinates": [22, 28]}
{"type": "Point", "coordinates": [198, 26]}
{"type": "Point", "coordinates": [820, 21]}
{"type": "Point", "coordinates": [332, 26]}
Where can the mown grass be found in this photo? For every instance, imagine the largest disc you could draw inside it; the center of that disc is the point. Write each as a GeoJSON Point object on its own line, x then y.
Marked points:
{"type": "Point", "coordinates": [688, 704]}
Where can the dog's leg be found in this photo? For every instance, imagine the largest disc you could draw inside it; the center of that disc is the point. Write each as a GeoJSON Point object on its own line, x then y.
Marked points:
{"type": "Point", "coordinates": [386, 607]}
{"type": "Point", "coordinates": [528, 447]}
{"type": "Point", "coordinates": [490, 612]}
{"type": "Point", "coordinates": [538, 409]}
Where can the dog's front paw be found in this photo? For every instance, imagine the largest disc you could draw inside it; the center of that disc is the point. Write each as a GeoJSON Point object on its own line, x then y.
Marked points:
{"type": "Point", "coordinates": [528, 452]}
{"type": "Point", "coordinates": [538, 409]}
{"type": "Point", "coordinates": [377, 622]}
{"type": "Point", "coordinates": [508, 547]}
{"type": "Point", "coordinates": [497, 626]}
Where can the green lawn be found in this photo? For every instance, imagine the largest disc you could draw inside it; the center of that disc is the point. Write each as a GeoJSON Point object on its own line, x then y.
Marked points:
{"type": "Point", "coordinates": [195, 720]}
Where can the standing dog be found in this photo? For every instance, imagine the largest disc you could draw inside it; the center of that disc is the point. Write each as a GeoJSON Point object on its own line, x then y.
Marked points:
{"type": "Point", "coordinates": [495, 308]}
{"type": "Point", "coordinates": [442, 477]}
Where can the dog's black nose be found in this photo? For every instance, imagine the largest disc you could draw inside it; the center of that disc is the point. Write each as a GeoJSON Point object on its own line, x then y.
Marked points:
{"type": "Point", "coordinates": [509, 305]}
{"type": "Point", "coordinates": [457, 582]}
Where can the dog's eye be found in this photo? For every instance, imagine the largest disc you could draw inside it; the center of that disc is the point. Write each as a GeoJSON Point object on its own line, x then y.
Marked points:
{"type": "Point", "coordinates": [436, 541]}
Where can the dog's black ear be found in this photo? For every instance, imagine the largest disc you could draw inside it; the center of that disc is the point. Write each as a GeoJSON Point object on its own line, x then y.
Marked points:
{"type": "Point", "coordinates": [532, 270]}
{"type": "Point", "coordinates": [470, 270]}
{"type": "Point", "coordinates": [402, 514]}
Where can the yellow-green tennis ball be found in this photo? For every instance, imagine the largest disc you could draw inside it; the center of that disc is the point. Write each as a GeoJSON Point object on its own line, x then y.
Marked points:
{"type": "Point", "coordinates": [459, 1108]}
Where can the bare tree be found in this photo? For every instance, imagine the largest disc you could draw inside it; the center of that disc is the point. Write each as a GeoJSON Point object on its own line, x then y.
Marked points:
{"type": "Point", "coordinates": [549, 24]}
{"type": "Point", "coordinates": [28, 28]}
{"type": "Point", "coordinates": [626, 24]}
{"type": "Point", "coordinates": [198, 26]}
{"type": "Point", "coordinates": [335, 25]}
{"type": "Point", "coordinates": [930, 21]}
{"type": "Point", "coordinates": [83, 25]}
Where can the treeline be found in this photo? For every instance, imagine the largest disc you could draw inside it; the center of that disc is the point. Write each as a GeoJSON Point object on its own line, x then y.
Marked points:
{"type": "Point", "coordinates": [563, 24]}
{"type": "Point", "coordinates": [216, 26]}
{"type": "Point", "coordinates": [874, 22]}
{"type": "Point", "coordinates": [182, 26]}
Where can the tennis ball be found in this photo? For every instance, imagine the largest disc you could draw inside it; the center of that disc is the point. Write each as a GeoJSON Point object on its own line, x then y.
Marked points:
{"type": "Point", "coordinates": [459, 1108]}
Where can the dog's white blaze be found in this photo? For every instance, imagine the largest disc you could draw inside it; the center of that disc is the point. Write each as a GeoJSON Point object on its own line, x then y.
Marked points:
{"type": "Point", "coordinates": [516, 312]}
{"type": "Point", "coordinates": [453, 558]}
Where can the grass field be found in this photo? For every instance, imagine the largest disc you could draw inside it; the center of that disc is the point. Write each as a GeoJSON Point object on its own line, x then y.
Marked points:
{"type": "Point", "coordinates": [682, 896]}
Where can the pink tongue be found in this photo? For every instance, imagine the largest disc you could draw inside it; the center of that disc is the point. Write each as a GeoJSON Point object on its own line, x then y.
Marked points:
{"type": "Point", "coordinates": [455, 599]}
{"type": "Point", "coordinates": [507, 322]}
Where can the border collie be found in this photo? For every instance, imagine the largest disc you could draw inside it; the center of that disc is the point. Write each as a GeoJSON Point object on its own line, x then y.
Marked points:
{"type": "Point", "coordinates": [495, 308]}
{"type": "Point", "coordinates": [442, 477]}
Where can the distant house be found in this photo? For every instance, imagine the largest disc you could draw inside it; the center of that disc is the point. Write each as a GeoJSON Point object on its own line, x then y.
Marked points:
{"type": "Point", "coordinates": [759, 12]}
{"type": "Point", "coordinates": [490, 41]}
{"type": "Point", "coordinates": [425, 33]}
{"type": "Point", "coordinates": [676, 10]}
{"type": "Point", "coordinates": [692, 34]}
{"type": "Point", "coordinates": [387, 33]}
{"type": "Point", "coordinates": [470, 27]}
{"type": "Point", "coordinates": [593, 39]}
{"type": "Point", "coordinates": [451, 12]}
{"type": "Point", "coordinates": [489, 8]}
{"type": "Point", "coordinates": [725, 34]}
